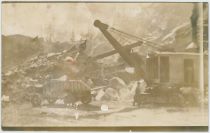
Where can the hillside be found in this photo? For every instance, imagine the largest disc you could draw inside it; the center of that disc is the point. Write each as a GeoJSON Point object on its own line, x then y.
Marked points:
{"type": "Point", "coordinates": [16, 49]}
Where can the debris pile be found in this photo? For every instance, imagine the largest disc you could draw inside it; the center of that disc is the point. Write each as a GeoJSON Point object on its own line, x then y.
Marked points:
{"type": "Point", "coordinates": [34, 72]}
{"type": "Point", "coordinates": [117, 90]}
{"type": "Point", "coordinates": [22, 79]}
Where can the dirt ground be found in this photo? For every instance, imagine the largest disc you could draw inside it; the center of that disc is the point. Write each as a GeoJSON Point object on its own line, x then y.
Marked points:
{"type": "Point", "coordinates": [119, 114]}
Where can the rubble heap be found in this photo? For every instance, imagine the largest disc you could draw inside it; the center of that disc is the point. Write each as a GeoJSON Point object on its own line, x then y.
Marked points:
{"type": "Point", "coordinates": [35, 72]}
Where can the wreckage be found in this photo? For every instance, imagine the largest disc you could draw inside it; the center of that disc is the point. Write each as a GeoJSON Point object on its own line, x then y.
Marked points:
{"type": "Point", "coordinates": [71, 91]}
{"type": "Point", "coordinates": [164, 88]}
{"type": "Point", "coordinates": [156, 94]}
{"type": "Point", "coordinates": [153, 67]}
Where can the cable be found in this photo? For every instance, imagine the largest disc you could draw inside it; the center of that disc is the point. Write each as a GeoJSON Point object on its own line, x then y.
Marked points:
{"type": "Point", "coordinates": [127, 37]}
{"type": "Point", "coordinates": [141, 39]}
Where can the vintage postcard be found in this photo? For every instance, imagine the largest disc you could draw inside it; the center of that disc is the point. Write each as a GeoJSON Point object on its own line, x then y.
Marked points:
{"type": "Point", "coordinates": [81, 65]}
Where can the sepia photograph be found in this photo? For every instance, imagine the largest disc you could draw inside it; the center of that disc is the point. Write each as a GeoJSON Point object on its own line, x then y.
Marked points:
{"type": "Point", "coordinates": [104, 65]}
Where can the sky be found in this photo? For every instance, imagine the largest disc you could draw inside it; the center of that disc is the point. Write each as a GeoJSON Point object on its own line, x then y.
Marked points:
{"type": "Point", "coordinates": [59, 20]}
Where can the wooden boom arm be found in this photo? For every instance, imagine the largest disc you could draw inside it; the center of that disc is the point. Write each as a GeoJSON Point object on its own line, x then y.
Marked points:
{"type": "Point", "coordinates": [117, 46]}
{"type": "Point", "coordinates": [127, 47]}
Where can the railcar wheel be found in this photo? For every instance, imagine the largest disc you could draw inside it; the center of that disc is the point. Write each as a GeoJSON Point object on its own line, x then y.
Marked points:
{"type": "Point", "coordinates": [86, 99]}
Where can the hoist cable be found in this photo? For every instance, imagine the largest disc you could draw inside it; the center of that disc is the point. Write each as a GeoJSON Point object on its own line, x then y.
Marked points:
{"type": "Point", "coordinates": [141, 39]}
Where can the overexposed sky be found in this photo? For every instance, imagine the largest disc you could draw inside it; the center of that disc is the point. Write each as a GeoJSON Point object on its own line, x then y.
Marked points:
{"type": "Point", "coordinates": [59, 20]}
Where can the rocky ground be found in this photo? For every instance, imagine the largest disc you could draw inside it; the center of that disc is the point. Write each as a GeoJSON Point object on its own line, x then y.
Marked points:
{"type": "Point", "coordinates": [118, 114]}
